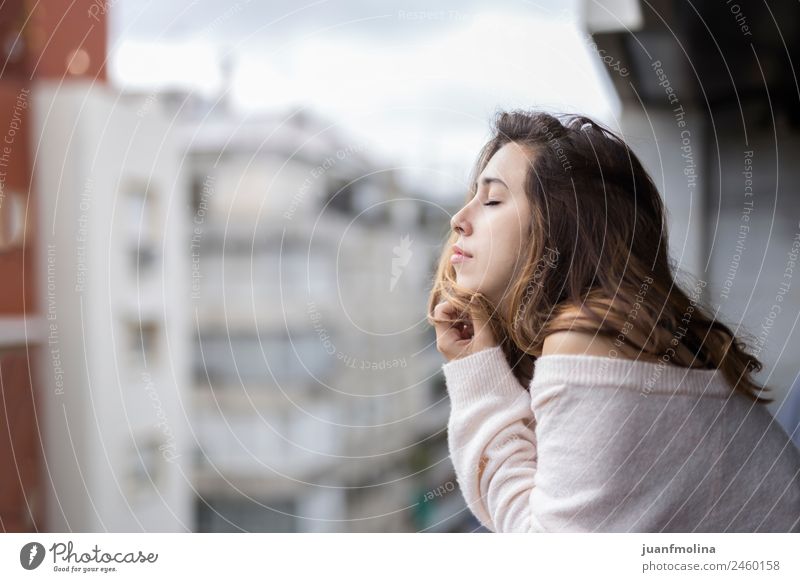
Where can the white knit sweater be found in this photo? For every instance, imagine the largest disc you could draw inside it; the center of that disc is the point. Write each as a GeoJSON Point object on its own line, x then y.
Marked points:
{"type": "Point", "coordinates": [610, 444]}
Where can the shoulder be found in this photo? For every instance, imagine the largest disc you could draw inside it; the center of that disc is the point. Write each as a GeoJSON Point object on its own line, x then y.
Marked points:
{"type": "Point", "coordinates": [576, 342]}
{"type": "Point", "coordinates": [587, 343]}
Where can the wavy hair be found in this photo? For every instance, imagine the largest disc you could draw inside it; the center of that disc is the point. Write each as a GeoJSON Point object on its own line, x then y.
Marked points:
{"type": "Point", "coordinates": [598, 248]}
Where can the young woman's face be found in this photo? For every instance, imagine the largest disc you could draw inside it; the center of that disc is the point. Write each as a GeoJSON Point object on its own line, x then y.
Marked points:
{"type": "Point", "coordinates": [493, 226]}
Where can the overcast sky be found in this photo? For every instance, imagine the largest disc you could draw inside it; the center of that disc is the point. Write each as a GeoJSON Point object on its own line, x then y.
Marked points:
{"type": "Point", "coordinates": [419, 85]}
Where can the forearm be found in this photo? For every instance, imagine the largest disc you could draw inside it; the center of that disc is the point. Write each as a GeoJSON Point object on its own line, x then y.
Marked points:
{"type": "Point", "coordinates": [492, 440]}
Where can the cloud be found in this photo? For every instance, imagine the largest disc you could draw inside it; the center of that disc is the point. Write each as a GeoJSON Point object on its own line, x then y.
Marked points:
{"type": "Point", "coordinates": [421, 94]}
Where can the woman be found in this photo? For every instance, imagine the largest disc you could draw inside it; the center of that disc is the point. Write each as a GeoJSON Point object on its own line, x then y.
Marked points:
{"type": "Point", "coordinates": [588, 391]}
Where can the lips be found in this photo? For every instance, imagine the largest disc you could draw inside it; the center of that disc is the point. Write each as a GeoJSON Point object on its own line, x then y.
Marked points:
{"type": "Point", "coordinates": [459, 251]}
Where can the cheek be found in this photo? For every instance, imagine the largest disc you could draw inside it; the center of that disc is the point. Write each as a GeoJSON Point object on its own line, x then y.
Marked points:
{"type": "Point", "coordinates": [507, 252]}
{"type": "Point", "coordinates": [506, 242]}
{"type": "Point", "coordinates": [495, 265]}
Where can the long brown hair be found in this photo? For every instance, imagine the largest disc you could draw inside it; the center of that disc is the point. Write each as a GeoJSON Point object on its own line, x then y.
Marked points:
{"type": "Point", "coordinates": [598, 245]}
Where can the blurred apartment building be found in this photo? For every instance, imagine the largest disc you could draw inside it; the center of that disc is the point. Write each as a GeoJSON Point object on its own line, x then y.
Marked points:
{"type": "Point", "coordinates": [115, 424]}
{"type": "Point", "coordinates": [318, 404]}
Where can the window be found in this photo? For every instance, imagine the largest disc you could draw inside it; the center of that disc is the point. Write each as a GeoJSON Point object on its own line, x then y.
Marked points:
{"type": "Point", "coordinates": [141, 226]}
{"type": "Point", "coordinates": [340, 196]}
{"type": "Point", "coordinates": [142, 341]}
{"type": "Point", "coordinates": [144, 465]}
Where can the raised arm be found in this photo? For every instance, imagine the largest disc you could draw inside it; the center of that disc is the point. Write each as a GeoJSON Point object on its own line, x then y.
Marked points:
{"type": "Point", "coordinates": [492, 440]}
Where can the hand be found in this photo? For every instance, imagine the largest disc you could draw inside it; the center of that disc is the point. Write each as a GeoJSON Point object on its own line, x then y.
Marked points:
{"type": "Point", "coordinates": [459, 335]}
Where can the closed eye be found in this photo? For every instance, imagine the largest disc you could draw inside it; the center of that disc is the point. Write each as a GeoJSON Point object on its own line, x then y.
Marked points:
{"type": "Point", "coordinates": [492, 203]}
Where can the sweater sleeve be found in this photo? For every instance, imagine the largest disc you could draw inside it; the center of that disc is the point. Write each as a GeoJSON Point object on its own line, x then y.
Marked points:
{"type": "Point", "coordinates": [492, 440]}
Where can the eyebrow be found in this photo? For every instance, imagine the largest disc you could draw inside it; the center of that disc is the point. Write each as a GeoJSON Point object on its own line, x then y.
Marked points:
{"type": "Point", "coordinates": [487, 180]}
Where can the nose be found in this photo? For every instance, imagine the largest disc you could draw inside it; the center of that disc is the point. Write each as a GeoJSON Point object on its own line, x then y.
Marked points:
{"type": "Point", "coordinates": [459, 224]}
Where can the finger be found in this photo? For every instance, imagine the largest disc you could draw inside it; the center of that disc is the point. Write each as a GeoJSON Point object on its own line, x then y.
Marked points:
{"type": "Point", "coordinates": [445, 310]}
{"type": "Point", "coordinates": [452, 332]}
{"type": "Point", "coordinates": [452, 318]}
